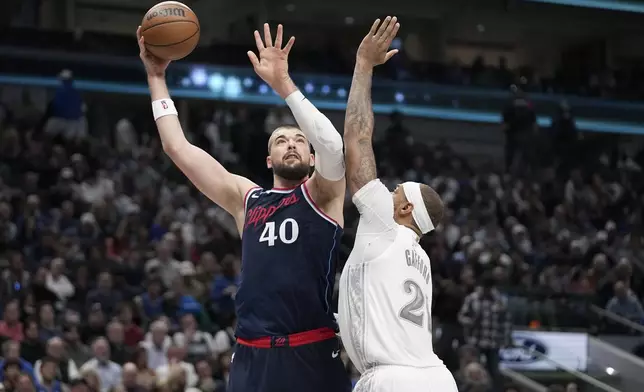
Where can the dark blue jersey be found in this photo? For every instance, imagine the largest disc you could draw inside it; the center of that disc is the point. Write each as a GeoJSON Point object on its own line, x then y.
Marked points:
{"type": "Point", "coordinates": [289, 257]}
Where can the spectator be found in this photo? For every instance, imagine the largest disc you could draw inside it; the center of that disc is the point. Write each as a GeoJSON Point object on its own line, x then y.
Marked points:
{"type": "Point", "coordinates": [150, 303]}
{"type": "Point", "coordinates": [57, 282]}
{"type": "Point", "coordinates": [11, 354]}
{"type": "Point", "coordinates": [519, 119]}
{"type": "Point", "coordinates": [474, 378]}
{"type": "Point", "coordinates": [157, 345]}
{"type": "Point", "coordinates": [176, 380]}
{"type": "Point", "coordinates": [92, 379]}
{"type": "Point", "coordinates": [79, 385]}
{"type": "Point", "coordinates": [625, 303]}
{"type": "Point", "coordinates": [77, 351]}
{"type": "Point", "coordinates": [224, 288]}
{"type": "Point", "coordinates": [225, 339]}
{"type": "Point", "coordinates": [193, 286]}
{"type": "Point", "coordinates": [199, 344]}
{"type": "Point", "coordinates": [10, 326]}
{"type": "Point", "coordinates": [16, 278]}
{"type": "Point", "coordinates": [46, 375]}
{"type": "Point", "coordinates": [146, 377]}
{"type": "Point", "coordinates": [179, 302]}
{"type": "Point", "coordinates": [176, 355]}
{"type": "Point", "coordinates": [25, 384]}
{"type": "Point", "coordinates": [31, 347]}
{"type": "Point", "coordinates": [47, 322]}
{"type": "Point", "coordinates": [104, 294]}
{"type": "Point", "coordinates": [109, 373]}
{"type": "Point", "coordinates": [165, 264]}
{"type": "Point", "coordinates": [66, 110]}
{"type": "Point", "coordinates": [130, 384]}
{"type": "Point", "coordinates": [487, 324]}
{"type": "Point", "coordinates": [65, 368]}
{"type": "Point", "coordinates": [206, 381]}
{"type": "Point", "coordinates": [133, 334]}
{"type": "Point", "coordinates": [11, 370]}
{"type": "Point", "coordinates": [115, 336]}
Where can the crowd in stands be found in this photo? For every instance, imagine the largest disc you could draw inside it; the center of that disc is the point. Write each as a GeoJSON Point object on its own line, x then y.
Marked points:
{"type": "Point", "coordinates": [119, 276]}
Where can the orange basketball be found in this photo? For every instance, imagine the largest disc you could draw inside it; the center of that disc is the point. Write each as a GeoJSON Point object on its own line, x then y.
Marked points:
{"type": "Point", "coordinates": [170, 30]}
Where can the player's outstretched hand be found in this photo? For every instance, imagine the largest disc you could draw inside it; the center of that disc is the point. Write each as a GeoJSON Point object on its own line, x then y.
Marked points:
{"type": "Point", "coordinates": [374, 48]}
{"type": "Point", "coordinates": [154, 66]}
{"type": "Point", "coordinates": [272, 63]}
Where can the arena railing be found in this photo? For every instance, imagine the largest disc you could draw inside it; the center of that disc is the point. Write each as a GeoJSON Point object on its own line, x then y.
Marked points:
{"type": "Point", "coordinates": [525, 382]}
{"type": "Point", "coordinates": [585, 378]}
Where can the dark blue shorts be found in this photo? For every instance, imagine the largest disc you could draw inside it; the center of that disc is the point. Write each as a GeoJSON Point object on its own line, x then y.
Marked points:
{"type": "Point", "coordinates": [314, 367]}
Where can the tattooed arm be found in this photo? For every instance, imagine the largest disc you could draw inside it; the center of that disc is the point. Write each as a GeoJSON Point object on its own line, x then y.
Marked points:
{"type": "Point", "coordinates": [359, 119]}
{"type": "Point", "coordinates": [358, 130]}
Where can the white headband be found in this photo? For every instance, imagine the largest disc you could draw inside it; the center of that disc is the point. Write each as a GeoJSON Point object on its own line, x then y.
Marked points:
{"type": "Point", "coordinates": [421, 217]}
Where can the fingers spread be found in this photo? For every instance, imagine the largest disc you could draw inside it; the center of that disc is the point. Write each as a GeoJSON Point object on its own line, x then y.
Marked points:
{"type": "Point", "coordinates": [390, 54]}
{"type": "Point", "coordinates": [267, 35]}
{"type": "Point", "coordinates": [289, 45]}
{"type": "Point", "coordinates": [278, 37]}
{"type": "Point", "coordinates": [258, 41]}
{"type": "Point", "coordinates": [253, 59]}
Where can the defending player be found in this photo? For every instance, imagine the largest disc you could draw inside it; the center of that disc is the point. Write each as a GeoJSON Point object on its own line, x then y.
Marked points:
{"type": "Point", "coordinates": [386, 285]}
{"type": "Point", "coordinates": [285, 328]}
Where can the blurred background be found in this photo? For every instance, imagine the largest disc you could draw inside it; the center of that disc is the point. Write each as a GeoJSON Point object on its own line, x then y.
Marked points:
{"type": "Point", "coordinates": [526, 116]}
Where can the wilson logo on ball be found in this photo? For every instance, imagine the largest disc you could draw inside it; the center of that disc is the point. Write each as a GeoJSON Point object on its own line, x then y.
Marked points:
{"type": "Point", "coordinates": [165, 12]}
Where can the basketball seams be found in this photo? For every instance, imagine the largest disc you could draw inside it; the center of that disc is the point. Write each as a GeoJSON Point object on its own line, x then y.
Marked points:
{"type": "Point", "coordinates": [171, 21]}
{"type": "Point", "coordinates": [178, 42]}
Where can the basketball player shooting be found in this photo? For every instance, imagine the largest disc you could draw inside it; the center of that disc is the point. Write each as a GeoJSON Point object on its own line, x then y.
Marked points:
{"type": "Point", "coordinates": [290, 234]}
{"type": "Point", "coordinates": [386, 284]}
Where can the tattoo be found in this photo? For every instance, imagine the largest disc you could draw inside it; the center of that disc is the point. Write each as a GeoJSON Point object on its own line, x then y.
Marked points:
{"type": "Point", "coordinates": [358, 131]}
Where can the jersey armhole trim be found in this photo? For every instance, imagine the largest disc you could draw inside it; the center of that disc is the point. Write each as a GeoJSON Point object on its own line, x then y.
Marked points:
{"type": "Point", "coordinates": [247, 196]}
{"type": "Point", "coordinates": [318, 210]}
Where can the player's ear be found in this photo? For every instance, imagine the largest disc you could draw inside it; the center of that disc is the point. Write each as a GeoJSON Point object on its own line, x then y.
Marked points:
{"type": "Point", "coordinates": [312, 160]}
{"type": "Point", "coordinates": [406, 209]}
{"type": "Point", "coordinates": [269, 162]}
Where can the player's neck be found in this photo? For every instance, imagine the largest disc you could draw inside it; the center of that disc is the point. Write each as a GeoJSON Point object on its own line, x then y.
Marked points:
{"type": "Point", "coordinates": [281, 183]}
{"type": "Point", "coordinates": [414, 231]}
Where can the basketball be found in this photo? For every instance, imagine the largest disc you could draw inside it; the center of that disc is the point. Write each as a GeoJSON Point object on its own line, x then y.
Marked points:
{"type": "Point", "coordinates": [170, 30]}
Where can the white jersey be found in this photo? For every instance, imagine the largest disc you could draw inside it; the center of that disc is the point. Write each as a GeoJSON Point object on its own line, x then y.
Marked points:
{"type": "Point", "coordinates": [384, 308]}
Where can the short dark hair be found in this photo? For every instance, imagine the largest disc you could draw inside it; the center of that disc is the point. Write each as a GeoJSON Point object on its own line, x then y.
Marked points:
{"type": "Point", "coordinates": [433, 204]}
{"type": "Point", "coordinates": [46, 360]}
{"type": "Point", "coordinates": [270, 139]}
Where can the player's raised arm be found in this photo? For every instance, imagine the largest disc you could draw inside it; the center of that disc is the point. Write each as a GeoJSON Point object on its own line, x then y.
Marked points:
{"type": "Point", "coordinates": [209, 176]}
{"type": "Point", "coordinates": [327, 185]}
{"type": "Point", "coordinates": [359, 119]}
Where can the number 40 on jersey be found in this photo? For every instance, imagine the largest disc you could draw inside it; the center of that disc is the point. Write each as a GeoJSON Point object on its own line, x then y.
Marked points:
{"type": "Point", "coordinates": [287, 232]}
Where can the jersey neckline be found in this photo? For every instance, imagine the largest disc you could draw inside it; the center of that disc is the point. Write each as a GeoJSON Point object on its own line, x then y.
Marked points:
{"type": "Point", "coordinates": [289, 188]}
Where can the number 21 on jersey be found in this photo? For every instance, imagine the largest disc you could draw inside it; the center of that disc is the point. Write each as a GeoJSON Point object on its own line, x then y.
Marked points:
{"type": "Point", "coordinates": [414, 311]}
{"type": "Point", "coordinates": [287, 232]}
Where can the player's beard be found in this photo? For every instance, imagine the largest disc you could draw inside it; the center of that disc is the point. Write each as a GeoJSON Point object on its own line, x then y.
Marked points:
{"type": "Point", "coordinates": [295, 172]}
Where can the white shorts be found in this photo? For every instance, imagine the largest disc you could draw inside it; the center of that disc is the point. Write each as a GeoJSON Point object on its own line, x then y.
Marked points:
{"type": "Point", "coordinates": [390, 378]}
